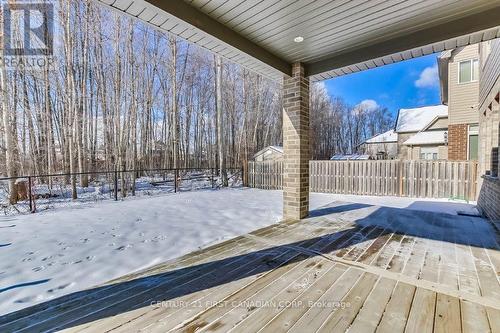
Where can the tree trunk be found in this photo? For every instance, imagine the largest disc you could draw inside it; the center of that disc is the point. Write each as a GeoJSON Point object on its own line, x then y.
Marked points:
{"type": "Point", "coordinates": [220, 125]}
{"type": "Point", "coordinates": [10, 151]}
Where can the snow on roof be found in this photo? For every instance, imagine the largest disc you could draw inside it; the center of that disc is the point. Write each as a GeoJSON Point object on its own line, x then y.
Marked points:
{"type": "Point", "coordinates": [350, 157]}
{"type": "Point", "coordinates": [414, 120]}
{"type": "Point", "coordinates": [445, 54]}
{"type": "Point", "coordinates": [389, 136]}
{"type": "Point", "coordinates": [427, 138]}
{"type": "Point", "coordinates": [279, 149]}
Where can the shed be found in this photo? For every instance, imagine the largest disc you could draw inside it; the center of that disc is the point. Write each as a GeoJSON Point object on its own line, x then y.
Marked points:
{"type": "Point", "coordinates": [269, 153]}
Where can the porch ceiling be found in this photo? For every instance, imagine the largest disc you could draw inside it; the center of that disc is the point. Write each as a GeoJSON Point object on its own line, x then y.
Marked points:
{"type": "Point", "coordinates": [340, 36]}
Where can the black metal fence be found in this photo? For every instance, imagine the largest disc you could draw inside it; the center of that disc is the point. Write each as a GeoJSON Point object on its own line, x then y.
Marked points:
{"type": "Point", "coordinates": [42, 192]}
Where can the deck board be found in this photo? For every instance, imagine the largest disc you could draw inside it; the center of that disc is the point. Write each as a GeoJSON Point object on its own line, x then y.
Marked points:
{"type": "Point", "coordinates": [300, 276]}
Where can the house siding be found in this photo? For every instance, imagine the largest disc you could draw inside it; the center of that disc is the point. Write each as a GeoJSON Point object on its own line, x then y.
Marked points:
{"type": "Point", "coordinates": [489, 124]}
{"type": "Point", "coordinates": [441, 123]}
{"type": "Point", "coordinates": [463, 97]}
{"type": "Point", "coordinates": [490, 70]}
{"type": "Point", "coordinates": [404, 153]}
{"type": "Point", "coordinates": [413, 152]}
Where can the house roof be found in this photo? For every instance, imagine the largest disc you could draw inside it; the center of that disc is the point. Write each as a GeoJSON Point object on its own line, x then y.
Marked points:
{"type": "Point", "coordinates": [389, 136]}
{"type": "Point", "coordinates": [278, 149]}
{"type": "Point", "coordinates": [415, 120]}
{"type": "Point", "coordinates": [427, 138]}
{"type": "Point", "coordinates": [336, 37]}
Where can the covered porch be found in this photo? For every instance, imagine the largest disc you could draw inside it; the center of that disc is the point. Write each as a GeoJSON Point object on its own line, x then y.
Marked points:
{"type": "Point", "coordinates": [349, 266]}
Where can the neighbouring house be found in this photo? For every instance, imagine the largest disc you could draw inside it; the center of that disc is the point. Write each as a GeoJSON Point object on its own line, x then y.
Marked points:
{"type": "Point", "coordinates": [489, 106]}
{"type": "Point", "coordinates": [381, 147]}
{"type": "Point", "coordinates": [459, 82]}
{"type": "Point", "coordinates": [489, 129]}
{"type": "Point", "coordinates": [422, 133]}
{"type": "Point", "coordinates": [270, 153]}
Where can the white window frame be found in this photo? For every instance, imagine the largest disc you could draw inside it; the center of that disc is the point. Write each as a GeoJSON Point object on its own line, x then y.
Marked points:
{"type": "Point", "coordinates": [471, 61]}
{"type": "Point", "coordinates": [429, 151]}
{"type": "Point", "coordinates": [469, 133]}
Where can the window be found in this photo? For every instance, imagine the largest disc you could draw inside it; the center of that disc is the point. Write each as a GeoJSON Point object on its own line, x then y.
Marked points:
{"type": "Point", "coordinates": [468, 71]}
{"type": "Point", "coordinates": [429, 153]}
{"type": "Point", "coordinates": [473, 142]}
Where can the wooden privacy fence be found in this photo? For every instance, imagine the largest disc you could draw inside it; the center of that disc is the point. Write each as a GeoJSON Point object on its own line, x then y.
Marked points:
{"type": "Point", "coordinates": [423, 179]}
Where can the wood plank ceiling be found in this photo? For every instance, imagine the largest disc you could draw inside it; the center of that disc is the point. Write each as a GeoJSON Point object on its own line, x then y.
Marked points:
{"type": "Point", "coordinates": [339, 36]}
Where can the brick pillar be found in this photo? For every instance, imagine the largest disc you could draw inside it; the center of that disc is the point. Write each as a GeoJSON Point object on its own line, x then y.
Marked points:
{"type": "Point", "coordinates": [296, 144]}
{"type": "Point", "coordinates": [495, 137]}
{"type": "Point", "coordinates": [457, 142]}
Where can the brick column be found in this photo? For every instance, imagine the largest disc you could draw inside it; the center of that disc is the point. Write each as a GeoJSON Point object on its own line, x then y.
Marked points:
{"type": "Point", "coordinates": [296, 144]}
{"type": "Point", "coordinates": [457, 142]}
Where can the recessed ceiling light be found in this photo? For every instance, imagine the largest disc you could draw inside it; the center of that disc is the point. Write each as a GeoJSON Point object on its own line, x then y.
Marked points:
{"type": "Point", "coordinates": [298, 39]}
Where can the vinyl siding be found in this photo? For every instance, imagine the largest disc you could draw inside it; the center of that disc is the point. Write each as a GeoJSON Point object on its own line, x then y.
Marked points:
{"type": "Point", "coordinates": [490, 72]}
{"type": "Point", "coordinates": [463, 97]}
{"type": "Point", "coordinates": [441, 123]}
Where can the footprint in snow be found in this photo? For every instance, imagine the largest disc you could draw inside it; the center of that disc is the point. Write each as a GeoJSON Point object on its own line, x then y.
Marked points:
{"type": "Point", "coordinates": [85, 240]}
{"type": "Point", "coordinates": [38, 269]}
{"type": "Point", "coordinates": [61, 287]}
{"type": "Point", "coordinates": [90, 258]}
{"type": "Point", "coordinates": [47, 258]}
{"type": "Point", "coordinates": [123, 247]}
{"type": "Point", "coordinates": [28, 299]}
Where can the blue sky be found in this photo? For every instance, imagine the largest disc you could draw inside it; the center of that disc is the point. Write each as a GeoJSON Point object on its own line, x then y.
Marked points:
{"type": "Point", "coordinates": [406, 84]}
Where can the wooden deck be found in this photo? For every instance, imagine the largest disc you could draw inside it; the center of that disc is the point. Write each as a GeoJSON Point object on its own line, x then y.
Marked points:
{"type": "Point", "coordinates": [349, 267]}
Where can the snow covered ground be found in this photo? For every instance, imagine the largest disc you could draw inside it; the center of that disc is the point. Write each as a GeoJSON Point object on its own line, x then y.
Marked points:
{"type": "Point", "coordinates": [59, 251]}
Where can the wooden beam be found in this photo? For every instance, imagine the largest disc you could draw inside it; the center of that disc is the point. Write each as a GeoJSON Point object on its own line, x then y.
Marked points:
{"type": "Point", "coordinates": [455, 28]}
{"type": "Point", "coordinates": [205, 23]}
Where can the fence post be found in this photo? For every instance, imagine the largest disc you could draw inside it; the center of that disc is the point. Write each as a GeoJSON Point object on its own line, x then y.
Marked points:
{"type": "Point", "coordinates": [116, 185]}
{"type": "Point", "coordinates": [400, 174]}
{"type": "Point", "coordinates": [124, 182]}
{"type": "Point", "coordinates": [212, 176]}
{"type": "Point", "coordinates": [30, 195]}
{"type": "Point", "coordinates": [243, 173]}
{"type": "Point", "coordinates": [176, 176]}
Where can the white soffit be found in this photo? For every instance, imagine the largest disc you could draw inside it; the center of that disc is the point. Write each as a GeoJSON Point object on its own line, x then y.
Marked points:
{"type": "Point", "coordinates": [331, 30]}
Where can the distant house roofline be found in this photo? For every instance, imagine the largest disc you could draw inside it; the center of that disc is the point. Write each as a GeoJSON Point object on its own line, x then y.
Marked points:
{"type": "Point", "coordinates": [278, 149]}
{"type": "Point", "coordinates": [419, 118]}
{"type": "Point", "coordinates": [433, 121]}
{"type": "Point", "coordinates": [385, 137]}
